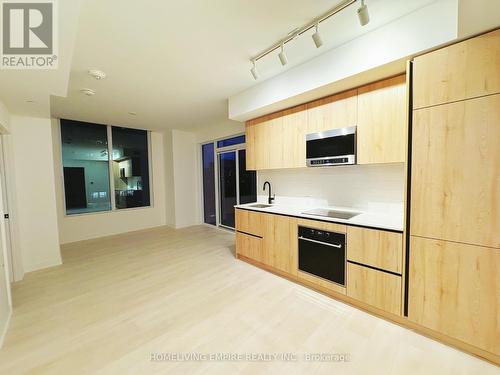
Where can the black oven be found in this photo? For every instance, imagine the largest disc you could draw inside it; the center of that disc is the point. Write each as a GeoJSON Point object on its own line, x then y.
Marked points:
{"type": "Point", "coordinates": [322, 254]}
{"type": "Point", "coordinates": [332, 147]}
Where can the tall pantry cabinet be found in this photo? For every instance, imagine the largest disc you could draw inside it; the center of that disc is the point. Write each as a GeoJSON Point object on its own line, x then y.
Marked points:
{"type": "Point", "coordinates": [454, 254]}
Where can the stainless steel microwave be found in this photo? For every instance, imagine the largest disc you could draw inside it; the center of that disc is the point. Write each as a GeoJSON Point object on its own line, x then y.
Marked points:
{"type": "Point", "coordinates": [331, 147]}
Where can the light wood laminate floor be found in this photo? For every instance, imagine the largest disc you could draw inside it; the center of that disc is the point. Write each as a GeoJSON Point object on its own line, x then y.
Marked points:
{"type": "Point", "coordinates": [116, 300]}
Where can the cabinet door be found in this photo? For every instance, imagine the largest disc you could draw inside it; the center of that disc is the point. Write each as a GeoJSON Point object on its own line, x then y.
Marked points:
{"type": "Point", "coordinates": [294, 137]}
{"type": "Point", "coordinates": [376, 288]}
{"type": "Point", "coordinates": [250, 145]}
{"type": "Point", "coordinates": [455, 289]}
{"type": "Point", "coordinates": [381, 133]}
{"type": "Point", "coordinates": [249, 222]}
{"type": "Point", "coordinates": [464, 70]}
{"type": "Point", "coordinates": [455, 191]}
{"type": "Point", "coordinates": [280, 243]}
{"type": "Point", "coordinates": [249, 246]}
{"type": "Point", "coordinates": [332, 112]}
{"type": "Point", "coordinates": [375, 248]}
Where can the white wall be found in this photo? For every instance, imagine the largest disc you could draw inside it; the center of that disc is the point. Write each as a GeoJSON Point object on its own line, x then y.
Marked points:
{"type": "Point", "coordinates": [475, 16]}
{"type": "Point", "coordinates": [378, 187]}
{"type": "Point", "coordinates": [74, 228]}
{"type": "Point", "coordinates": [220, 130]}
{"type": "Point", "coordinates": [186, 178]}
{"type": "Point", "coordinates": [425, 28]}
{"type": "Point", "coordinates": [30, 145]}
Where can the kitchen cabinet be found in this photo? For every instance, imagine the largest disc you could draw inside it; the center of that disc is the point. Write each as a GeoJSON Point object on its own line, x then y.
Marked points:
{"type": "Point", "coordinates": [294, 137]}
{"type": "Point", "coordinates": [461, 71]}
{"type": "Point", "coordinates": [376, 248]}
{"type": "Point", "coordinates": [249, 246]}
{"type": "Point", "coordinates": [455, 191]}
{"type": "Point", "coordinates": [376, 288]}
{"type": "Point", "coordinates": [280, 243]}
{"type": "Point", "coordinates": [455, 289]}
{"type": "Point", "coordinates": [250, 222]}
{"type": "Point", "coordinates": [278, 140]}
{"type": "Point", "coordinates": [382, 111]}
{"type": "Point", "coordinates": [332, 112]}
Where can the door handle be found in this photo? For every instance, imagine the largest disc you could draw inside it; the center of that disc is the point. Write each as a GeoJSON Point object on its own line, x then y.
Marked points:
{"type": "Point", "coordinates": [337, 246]}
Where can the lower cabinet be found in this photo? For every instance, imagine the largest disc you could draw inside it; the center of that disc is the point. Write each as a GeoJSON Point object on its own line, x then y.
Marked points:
{"type": "Point", "coordinates": [376, 288]}
{"type": "Point", "coordinates": [249, 246]}
{"type": "Point", "coordinates": [454, 289]}
{"type": "Point", "coordinates": [280, 242]}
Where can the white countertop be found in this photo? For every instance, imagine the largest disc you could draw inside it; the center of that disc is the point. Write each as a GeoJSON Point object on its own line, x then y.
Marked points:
{"type": "Point", "coordinates": [383, 220]}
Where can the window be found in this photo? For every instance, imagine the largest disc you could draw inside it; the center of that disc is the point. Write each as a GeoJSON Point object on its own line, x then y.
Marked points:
{"type": "Point", "coordinates": [231, 141]}
{"type": "Point", "coordinates": [130, 167]}
{"type": "Point", "coordinates": [86, 166]}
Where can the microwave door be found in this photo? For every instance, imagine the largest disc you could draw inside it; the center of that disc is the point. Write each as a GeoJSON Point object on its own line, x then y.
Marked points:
{"type": "Point", "coordinates": [337, 146]}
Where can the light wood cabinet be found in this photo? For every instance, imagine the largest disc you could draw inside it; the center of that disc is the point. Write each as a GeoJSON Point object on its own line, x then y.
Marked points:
{"type": "Point", "coordinates": [280, 243]}
{"type": "Point", "coordinates": [278, 140]}
{"type": "Point", "coordinates": [249, 246]}
{"type": "Point", "coordinates": [250, 222]}
{"type": "Point", "coordinates": [336, 111]}
{"type": "Point", "coordinates": [294, 137]}
{"type": "Point", "coordinates": [455, 192]}
{"type": "Point", "coordinates": [381, 132]}
{"type": "Point", "coordinates": [464, 70]}
{"type": "Point", "coordinates": [455, 289]}
{"type": "Point", "coordinates": [376, 248]}
{"type": "Point", "coordinates": [376, 288]}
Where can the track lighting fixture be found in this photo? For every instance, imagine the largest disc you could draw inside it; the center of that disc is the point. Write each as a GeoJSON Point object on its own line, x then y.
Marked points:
{"type": "Point", "coordinates": [282, 55]}
{"type": "Point", "coordinates": [363, 15]}
{"type": "Point", "coordinates": [254, 71]}
{"type": "Point", "coordinates": [318, 42]}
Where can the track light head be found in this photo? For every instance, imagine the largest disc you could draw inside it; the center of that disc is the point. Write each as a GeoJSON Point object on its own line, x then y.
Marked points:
{"type": "Point", "coordinates": [282, 56]}
{"type": "Point", "coordinates": [254, 71]}
{"type": "Point", "coordinates": [318, 42]}
{"type": "Point", "coordinates": [363, 15]}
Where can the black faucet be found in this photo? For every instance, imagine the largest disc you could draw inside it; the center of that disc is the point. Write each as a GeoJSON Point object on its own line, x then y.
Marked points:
{"type": "Point", "coordinates": [269, 199]}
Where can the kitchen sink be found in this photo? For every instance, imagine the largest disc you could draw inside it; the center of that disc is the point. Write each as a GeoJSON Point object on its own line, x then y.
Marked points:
{"type": "Point", "coordinates": [334, 214]}
{"type": "Point", "coordinates": [260, 205]}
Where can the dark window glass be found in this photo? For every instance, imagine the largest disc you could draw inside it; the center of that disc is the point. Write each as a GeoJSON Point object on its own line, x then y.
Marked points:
{"type": "Point", "coordinates": [85, 167]}
{"type": "Point", "coordinates": [247, 180]}
{"type": "Point", "coordinates": [231, 141]}
{"type": "Point", "coordinates": [130, 167]}
{"type": "Point", "coordinates": [208, 159]}
{"type": "Point", "coordinates": [227, 183]}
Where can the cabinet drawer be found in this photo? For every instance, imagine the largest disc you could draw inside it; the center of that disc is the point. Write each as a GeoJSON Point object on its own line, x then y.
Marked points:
{"type": "Point", "coordinates": [376, 288]}
{"type": "Point", "coordinates": [249, 222]}
{"type": "Point", "coordinates": [249, 246]}
{"type": "Point", "coordinates": [376, 248]}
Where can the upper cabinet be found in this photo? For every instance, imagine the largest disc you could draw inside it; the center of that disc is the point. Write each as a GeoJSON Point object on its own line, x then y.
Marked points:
{"type": "Point", "coordinates": [382, 111]}
{"type": "Point", "coordinates": [378, 110]}
{"type": "Point", "coordinates": [332, 112]}
{"type": "Point", "coordinates": [462, 71]}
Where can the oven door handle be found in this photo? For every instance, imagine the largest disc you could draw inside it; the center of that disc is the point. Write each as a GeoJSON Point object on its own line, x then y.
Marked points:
{"type": "Point", "coordinates": [321, 243]}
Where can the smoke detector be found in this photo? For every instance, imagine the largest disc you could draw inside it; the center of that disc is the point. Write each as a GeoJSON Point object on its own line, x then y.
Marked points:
{"type": "Point", "coordinates": [88, 92]}
{"type": "Point", "coordinates": [97, 74]}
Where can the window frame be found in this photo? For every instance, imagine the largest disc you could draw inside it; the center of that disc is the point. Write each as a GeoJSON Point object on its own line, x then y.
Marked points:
{"type": "Point", "coordinates": [110, 174]}
{"type": "Point", "coordinates": [217, 151]}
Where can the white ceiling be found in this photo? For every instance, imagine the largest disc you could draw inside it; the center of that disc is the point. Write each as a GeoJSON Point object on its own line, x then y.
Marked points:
{"type": "Point", "coordinates": [175, 63]}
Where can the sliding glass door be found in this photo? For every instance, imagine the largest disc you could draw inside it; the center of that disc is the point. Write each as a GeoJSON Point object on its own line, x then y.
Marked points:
{"type": "Point", "coordinates": [227, 185]}
{"type": "Point", "coordinates": [226, 182]}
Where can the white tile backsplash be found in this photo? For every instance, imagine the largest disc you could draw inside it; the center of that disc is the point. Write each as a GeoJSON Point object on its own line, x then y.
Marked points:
{"type": "Point", "coordinates": [378, 187]}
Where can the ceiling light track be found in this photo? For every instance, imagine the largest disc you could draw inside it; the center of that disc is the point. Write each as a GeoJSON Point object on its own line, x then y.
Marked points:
{"type": "Point", "coordinates": [362, 14]}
